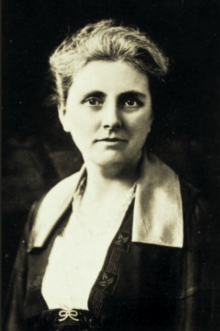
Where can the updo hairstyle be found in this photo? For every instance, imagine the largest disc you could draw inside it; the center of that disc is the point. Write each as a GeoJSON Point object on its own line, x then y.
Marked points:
{"type": "Point", "coordinates": [105, 41]}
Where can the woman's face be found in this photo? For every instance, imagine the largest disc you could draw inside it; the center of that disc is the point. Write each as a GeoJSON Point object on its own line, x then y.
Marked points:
{"type": "Point", "coordinates": [108, 113]}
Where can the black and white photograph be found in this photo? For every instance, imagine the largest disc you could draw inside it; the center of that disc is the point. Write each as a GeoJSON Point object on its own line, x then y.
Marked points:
{"type": "Point", "coordinates": [111, 165]}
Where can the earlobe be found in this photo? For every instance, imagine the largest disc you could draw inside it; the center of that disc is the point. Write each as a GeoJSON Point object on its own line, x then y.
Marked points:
{"type": "Point", "coordinates": [63, 118]}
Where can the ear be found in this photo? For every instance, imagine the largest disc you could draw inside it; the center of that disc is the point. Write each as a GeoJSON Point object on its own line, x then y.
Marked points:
{"type": "Point", "coordinates": [63, 116]}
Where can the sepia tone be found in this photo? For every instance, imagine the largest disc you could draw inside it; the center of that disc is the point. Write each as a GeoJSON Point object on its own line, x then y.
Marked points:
{"type": "Point", "coordinates": [37, 153]}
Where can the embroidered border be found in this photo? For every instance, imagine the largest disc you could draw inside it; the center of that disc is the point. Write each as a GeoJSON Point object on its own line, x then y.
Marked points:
{"type": "Point", "coordinates": [109, 276]}
{"type": "Point", "coordinates": [98, 297]}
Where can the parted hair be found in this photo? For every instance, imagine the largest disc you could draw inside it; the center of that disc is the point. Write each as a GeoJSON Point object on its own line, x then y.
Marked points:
{"type": "Point", "coordinates": [104, 41]}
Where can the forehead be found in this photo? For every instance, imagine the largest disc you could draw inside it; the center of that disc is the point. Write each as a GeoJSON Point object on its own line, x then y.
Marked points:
{"type": "Point", "coordinates": [115, 77]}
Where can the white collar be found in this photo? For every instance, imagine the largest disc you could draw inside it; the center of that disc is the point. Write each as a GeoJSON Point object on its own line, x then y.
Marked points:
{"type": "Point", "coordinates": [158, 216]}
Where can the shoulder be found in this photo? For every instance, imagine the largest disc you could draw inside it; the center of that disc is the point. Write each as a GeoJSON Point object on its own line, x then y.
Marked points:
{"type": "Point", "coordinates": [46, 212]}
{"type": "Point", "coordinates": [197, 213]}
{"type": "Point", "coordinates": [193, 198]}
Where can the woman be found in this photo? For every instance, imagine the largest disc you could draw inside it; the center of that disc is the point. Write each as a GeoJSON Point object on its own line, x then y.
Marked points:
{"type": "Point", "coordinates": [117, 245]}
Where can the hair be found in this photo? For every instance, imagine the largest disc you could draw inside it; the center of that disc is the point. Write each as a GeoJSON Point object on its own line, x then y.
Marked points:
{"type": "Point", "coordinates": [105, 41]}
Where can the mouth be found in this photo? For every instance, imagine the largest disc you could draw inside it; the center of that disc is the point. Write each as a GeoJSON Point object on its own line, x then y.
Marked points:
{"type": "Point", "coordinates": [112, 140]}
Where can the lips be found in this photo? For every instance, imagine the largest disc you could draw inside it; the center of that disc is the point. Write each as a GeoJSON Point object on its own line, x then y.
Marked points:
{"type": "Point", "coordinates": [111, 139]}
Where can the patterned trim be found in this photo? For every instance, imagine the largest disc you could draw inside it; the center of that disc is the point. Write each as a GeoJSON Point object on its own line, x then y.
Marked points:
{"type": "Point", "coordinates": [107, 282]}
{"type": "Point", "coordinates": [97, 300]}
{"type": "Point", "coordinates": [123, 241]}
{"type": "Point", "coordinates": [109, 276]}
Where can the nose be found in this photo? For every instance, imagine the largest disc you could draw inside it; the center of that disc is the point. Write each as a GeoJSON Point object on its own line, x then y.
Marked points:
{"type": "Point", "coordinates": [111, 117]}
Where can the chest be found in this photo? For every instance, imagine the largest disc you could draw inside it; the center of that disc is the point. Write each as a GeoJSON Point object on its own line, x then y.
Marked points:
{"type": "Point", "coordinates": [138, 283]}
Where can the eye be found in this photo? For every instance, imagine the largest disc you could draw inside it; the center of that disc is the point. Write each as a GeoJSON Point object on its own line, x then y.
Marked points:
{"type": "Point", "coordinates": [131, 103]}
{"type": "Point", "coordinates": [93, 102]}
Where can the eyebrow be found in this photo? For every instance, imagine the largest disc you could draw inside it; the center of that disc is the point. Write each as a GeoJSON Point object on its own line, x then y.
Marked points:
{"type": "Point", "coordinates": [133, 93]}
{"type": "Point", "coordinates": [94, 93]}
{"type": "Point", "coordinates": [99, 94]}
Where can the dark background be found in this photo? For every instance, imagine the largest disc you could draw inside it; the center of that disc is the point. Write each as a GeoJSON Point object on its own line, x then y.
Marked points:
{"type": "Point", "coordinates": [37, 154]}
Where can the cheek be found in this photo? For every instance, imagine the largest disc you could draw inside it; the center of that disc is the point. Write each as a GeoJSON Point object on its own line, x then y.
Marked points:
{"type": "Point", "coordinates": [75, 118]}
{"type": "Point", "coordinates": [141, 127]}
{"type": "Point", "coordinates": [83, 127]}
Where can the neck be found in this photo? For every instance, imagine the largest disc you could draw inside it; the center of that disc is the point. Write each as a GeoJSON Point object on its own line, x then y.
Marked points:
{"type": "Point", "coordinates": [102, 181]}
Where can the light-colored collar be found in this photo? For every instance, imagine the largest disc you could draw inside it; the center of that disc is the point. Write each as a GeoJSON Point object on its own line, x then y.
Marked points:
{"type": "Point", "coordinates": [158, 215]}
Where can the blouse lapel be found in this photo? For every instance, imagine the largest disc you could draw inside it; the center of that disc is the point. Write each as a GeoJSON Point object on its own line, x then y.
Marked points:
{"type": "Point", "coordinates": [157, 215]}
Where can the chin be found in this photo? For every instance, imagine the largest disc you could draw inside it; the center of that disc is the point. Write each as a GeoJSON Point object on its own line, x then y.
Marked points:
{"type": "Point", "coordinates": [107, 160]}
{"type": "Point", "coordinates": [109, 163]}
{"type": "Point", "coordinates": [114, 163]}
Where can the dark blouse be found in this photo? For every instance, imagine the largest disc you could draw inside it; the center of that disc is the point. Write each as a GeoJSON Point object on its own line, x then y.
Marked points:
{"type": "Point", "coordinates": [140, 287]}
